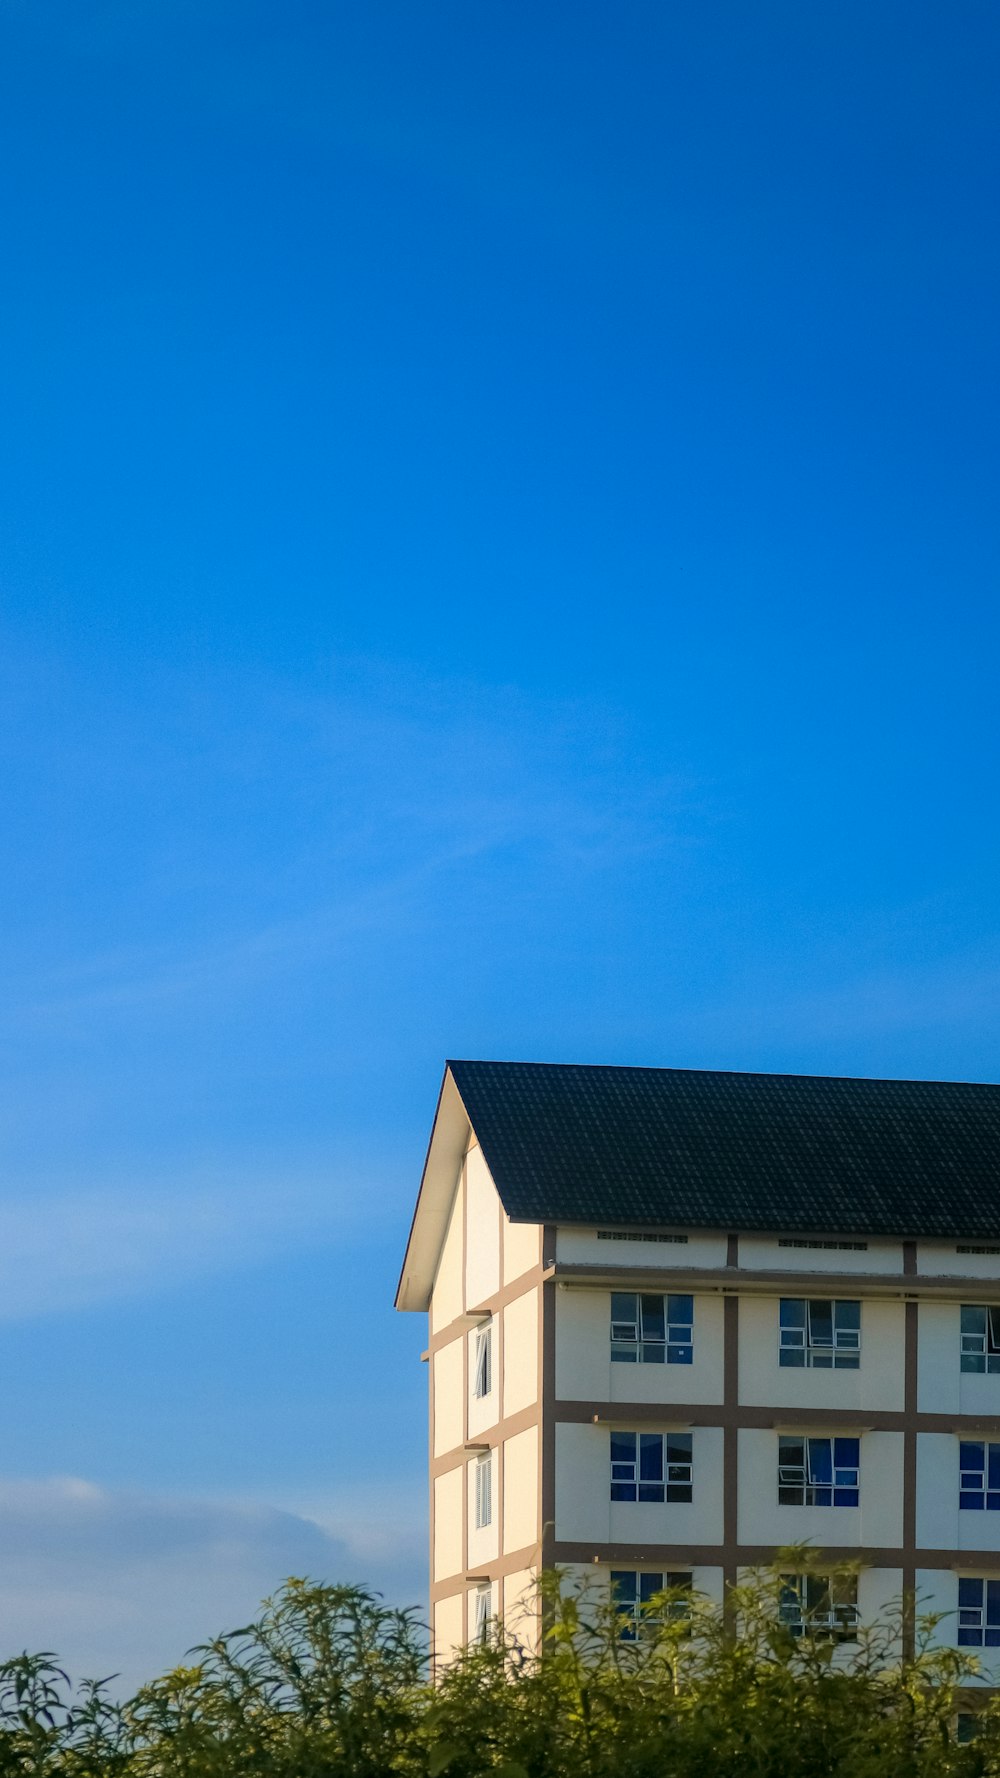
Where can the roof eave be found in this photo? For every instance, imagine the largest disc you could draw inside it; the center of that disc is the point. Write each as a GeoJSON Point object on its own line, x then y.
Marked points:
{"type": "Point", "coordinates": [448, 1142]}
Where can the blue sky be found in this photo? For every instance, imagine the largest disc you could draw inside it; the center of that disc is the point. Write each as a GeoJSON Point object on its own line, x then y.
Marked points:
{"type": "Point", "coordinates": [499, 546]}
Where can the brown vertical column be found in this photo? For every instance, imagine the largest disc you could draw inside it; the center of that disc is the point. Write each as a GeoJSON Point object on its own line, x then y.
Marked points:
{"type": "Point", "coordinates": [910, 1352]}
{"type": "Point", "coordinates": [730, 1436]}
{"type": "Point", "coordinates": [547, 1403]}
{"type": "Point", "coordinates": [465, 1404]}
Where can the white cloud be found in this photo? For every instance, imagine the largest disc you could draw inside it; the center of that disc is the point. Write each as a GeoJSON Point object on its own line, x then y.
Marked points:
{"type": "Point", "coordinates": [119, 1582]}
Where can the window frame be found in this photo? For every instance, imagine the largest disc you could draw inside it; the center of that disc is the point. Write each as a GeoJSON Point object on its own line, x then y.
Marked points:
{"type": "Point", "coordinates": [634, 1605]}
{"type": "Point", "coordinates": [484, 1614]}
{"type": "Point", "coordinates": [980, 1342]}
{"type": "Point", "coordinates": [482, 1371]}
{"type": "Point", "coordinates": [803, 1345]}
{"type": "Point", "coordinates": [812, 1476]}
{"type": "Point", "coordinates": [654, 1468]}
{"type": "Point", "coordinates": [824, 1617]}
{"type": "Point", "coordinates": [988, 1497]}
{"type": "Point", "coordinates": [979, 1611]}
{"type": "Point", "coordinates": [483, 1511]}
{"type": "Point", "coordinates": [658, 1327]}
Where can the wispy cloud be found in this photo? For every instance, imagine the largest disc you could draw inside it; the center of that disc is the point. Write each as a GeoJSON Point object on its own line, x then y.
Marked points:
{"type": "Point", "coordinates": [126, 1582]}
{"type": "Point", "coordinates": [67, 1250]}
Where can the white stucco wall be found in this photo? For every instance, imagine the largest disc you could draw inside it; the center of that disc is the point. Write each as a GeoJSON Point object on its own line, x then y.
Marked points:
{"type": "Point", "coordinates": [584, 1371]}
{"type": "Point", "coordinates": [584, 1247]}
{"type": "Point", "coordinates": [942, 1386]}
{"type": "Point", "coordinates": [940, 1523]}
{"type": "Point", "coordinates": [521, 1248]}
{"type": "Point", "coordinates": [520, 1501]}
{"type": "Point", "coordinates": [449, 1429]}
{"type": "Point", "coordinates": [937, 1591]}
{"type": "Point", "coordinates": [520, 1352]}
{"type": "Point", "coordinates": [939, 1259]}
{"type": "Point", "coordinates": [877, 1385]}
{"type": "Point", "coordinates": [762, 1253]}
{"type": "Point", "coordinates": [878, 1521]}
{"type": "Point", "coordinates": [447, 1301]}
{"type": "Point", "coordinates": [585, 1512]}
{"type": "Point", "coordinates": [482, 1238]}
{"type": "Point", "coordinates": [448, 1552]}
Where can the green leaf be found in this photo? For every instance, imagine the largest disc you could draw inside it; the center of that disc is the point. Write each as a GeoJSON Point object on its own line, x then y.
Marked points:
{"type": "Point", "coordinates": [440, 1758]}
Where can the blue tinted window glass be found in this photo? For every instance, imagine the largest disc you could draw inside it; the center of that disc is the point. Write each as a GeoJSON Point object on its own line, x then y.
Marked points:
{"type": "Point", "coordinates": [848, 1315]}
{"type": "Point", "coordinates": [993, 1467]}
{"type": "Point", "coordinates": [970, 1593]}
{"type": "Point", "coordinates": [846, 1451]}
{"type": "Point", "coordinates": [680, 1309]}
{"type": "Point", "coordinates": [623, 1447]}
{"type": "Point", "coordinates": [792, 1312]}
{"type": "Point", "coordinates": [651, 1457]}
{"type": "Point", "coordinates": [648, 1585]}
{"type": "Point", "coordinates": [652, 1318]}
{"type": "Point", "coordinates": [820, 1466]}
{"type": "Point", "coordinates": [623, 1586]}
{"type": "Point", "coordinates": [972, 1455]}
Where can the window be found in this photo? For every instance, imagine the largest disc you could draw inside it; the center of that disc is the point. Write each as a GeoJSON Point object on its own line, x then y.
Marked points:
{"type": "Point", "coordinates": [978, 1613]}
{"type": "Point", "coordinates": [639, 1235]}
{"type": "Point", "coordinates": [979, 1476]}
{"type": "Point", "coordinates": [651, 1329]}
{"type": "Point", "coordinates": [484, 1490]}
{"type": "Point", "coordinates": [483, 1370]}
{"type": "Point", "coordinates": [826, 1246]}
{"type": "Point", "coordinates": [981, 1338]}
{"type": "Point", "coordinates": [651, 1467]}
{"type": "Point", "coordinates": [820, 1605]}
{"type": "Point", "coordinates": [818, 1471]}
{"type": "Point", "coordinates": [632, 1593]}
{"type": "Point", "coordinates": [484, 1613]}
{"type": "Point", "coordinates": [822, 1334]}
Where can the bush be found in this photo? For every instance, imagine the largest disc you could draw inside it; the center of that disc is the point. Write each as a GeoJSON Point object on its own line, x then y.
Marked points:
{"type": "Point", "coordinates": [330, 1683]}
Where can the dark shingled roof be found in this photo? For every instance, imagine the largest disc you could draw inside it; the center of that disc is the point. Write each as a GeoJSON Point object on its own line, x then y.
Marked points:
{"type": "Point", "coordinates": [803, 1154]}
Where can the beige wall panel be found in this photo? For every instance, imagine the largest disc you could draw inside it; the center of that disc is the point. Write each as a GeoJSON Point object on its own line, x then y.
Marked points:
{"type": "Point", "coordinates": [877, 1386]}
{"type": "Point", "coordinates": [585, 1512]}
{"type": "Point", "coordinates": [446, 1296]}
{"type": "Point", "coordinates": [520, 1606]}
{"type": "Point", "coordinates": [878, 1521]}
{"type": "Point", "coordinates": [520, 1501]}
{"type": "Point", "coordinates": [449, 1428]}
{"type": "Point", "coordinates": [520, 1352]}
{"type": "Point", "coordinates": [447, 1638]}
{"type": "Point", "coordinates": [483, 1231]}
{"type": "Point", "coordinates": [585, 1247]}
{"type": "Point", "coordinates": [941, 1525]}
{"type": "Point", "coordinates": [522, 1248]}
{"type": "Point", "coordinates": [484, 1541]}
{"type": "Point", "coordinates": [449, 1557]}
{"type": "Point", "coordinates": [762, 1253]}
{"type": "Point", "coordinates": [584, 1371]}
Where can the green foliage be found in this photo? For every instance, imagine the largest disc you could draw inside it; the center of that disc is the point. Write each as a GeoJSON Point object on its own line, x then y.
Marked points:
{"type": "Point", "coordinates": [329, 1683]}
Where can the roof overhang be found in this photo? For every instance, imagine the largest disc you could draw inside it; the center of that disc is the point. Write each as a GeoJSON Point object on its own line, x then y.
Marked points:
{"type": "Point", "coordinates": [449, 1141]}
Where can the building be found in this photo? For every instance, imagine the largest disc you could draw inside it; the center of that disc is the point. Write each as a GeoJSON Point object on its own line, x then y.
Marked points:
{"type": "Point", "coordinates": [681, 1319]}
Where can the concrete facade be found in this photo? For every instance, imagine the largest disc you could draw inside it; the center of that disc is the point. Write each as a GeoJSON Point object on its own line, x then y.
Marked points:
{"type": "Point", "coordinates": [542, 1414]}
